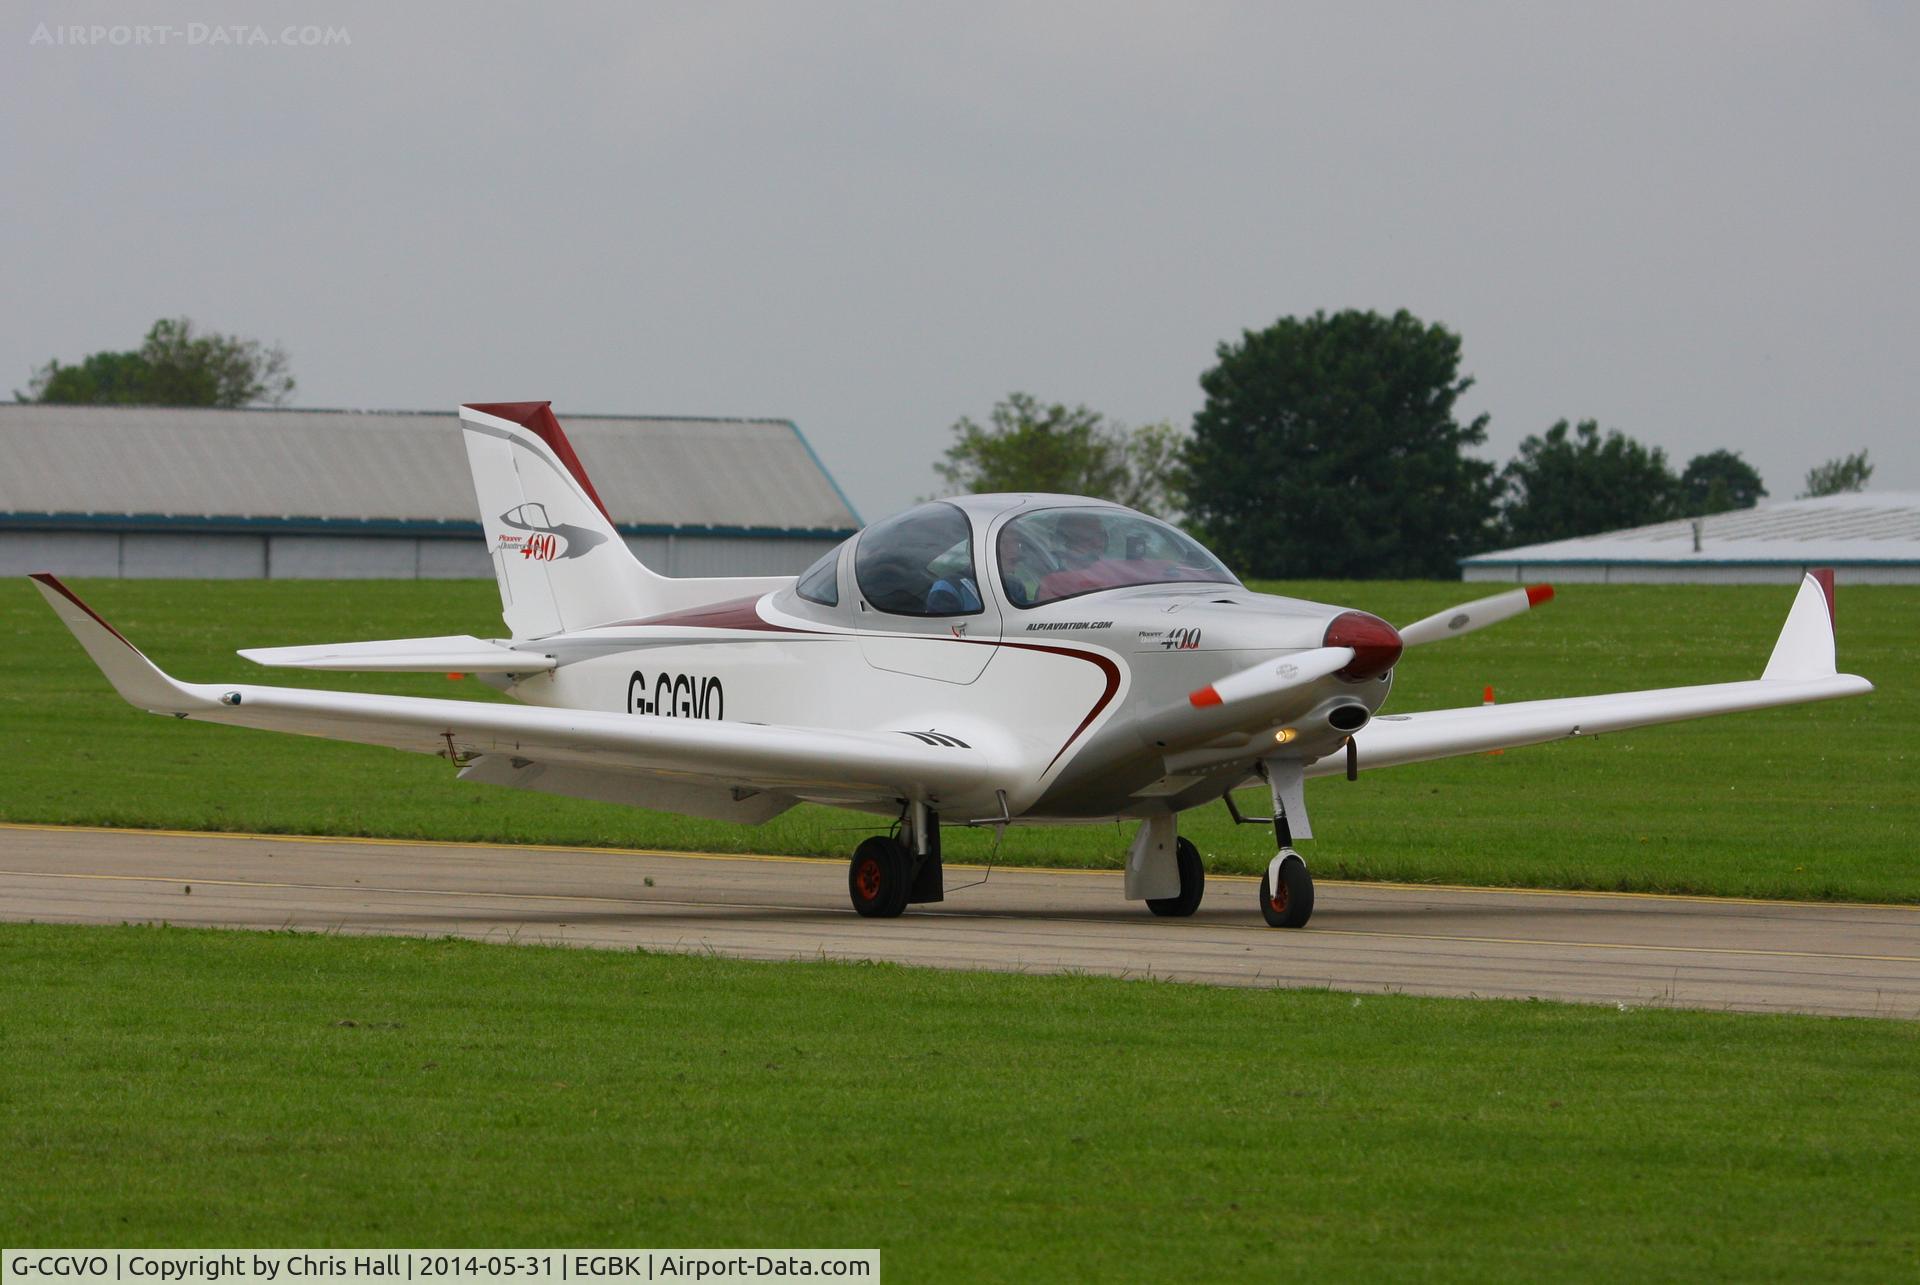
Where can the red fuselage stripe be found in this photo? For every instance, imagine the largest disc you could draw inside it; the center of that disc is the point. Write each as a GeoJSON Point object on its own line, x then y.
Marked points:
{"type": "Point", "coordinates": [743, 614]}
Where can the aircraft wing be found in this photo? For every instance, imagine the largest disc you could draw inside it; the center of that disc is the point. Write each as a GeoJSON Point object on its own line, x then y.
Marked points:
{"type": "Point", "coordinates": [1801, 669]}
{"type": "Point", "coordinates": [877, 765]}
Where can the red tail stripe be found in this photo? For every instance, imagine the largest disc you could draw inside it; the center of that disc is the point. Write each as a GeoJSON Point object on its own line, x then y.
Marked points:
{"type": "Point", "coordinates": [538, 419]}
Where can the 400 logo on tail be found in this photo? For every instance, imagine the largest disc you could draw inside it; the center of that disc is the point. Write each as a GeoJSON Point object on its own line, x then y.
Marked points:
{"type": "Point", "coordinates": [675, 696]}
{"type": "Point", "coordinates": [545, 541]}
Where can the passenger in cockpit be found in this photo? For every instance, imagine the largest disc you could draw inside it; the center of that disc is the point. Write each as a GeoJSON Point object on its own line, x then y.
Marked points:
{"type": "Point", "coordinates": [957, 596]}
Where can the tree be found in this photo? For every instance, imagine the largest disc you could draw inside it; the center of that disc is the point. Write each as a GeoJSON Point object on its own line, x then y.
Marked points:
{"type": "Point", "coordinates": [1848, 473]}
{"type": "Point", "coordinates": [1028, 446]}
{"type": "Point", "coordinates": [1563, 485]}
{"type": "Point", "coordinates": [1329, 446]}
{"type": "Point", "coordinates": [174, 366]}
{"type": "Point", "coordinates": [1717, 482]}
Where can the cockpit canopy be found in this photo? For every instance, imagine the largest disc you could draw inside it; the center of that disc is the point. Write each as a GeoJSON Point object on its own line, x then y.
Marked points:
{"type": "Point", "coordinates": [922, 562]}
{"type": "Point", "coordinates": [1050, 554]}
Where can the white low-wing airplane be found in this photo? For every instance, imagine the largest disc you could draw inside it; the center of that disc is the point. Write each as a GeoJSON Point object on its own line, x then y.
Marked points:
{"type": "Point", "coordinates": [990, 660]}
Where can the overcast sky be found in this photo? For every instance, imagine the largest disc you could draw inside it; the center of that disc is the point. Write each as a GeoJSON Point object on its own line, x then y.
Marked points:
{"type": "Point", "coordinates": [1693, 222]}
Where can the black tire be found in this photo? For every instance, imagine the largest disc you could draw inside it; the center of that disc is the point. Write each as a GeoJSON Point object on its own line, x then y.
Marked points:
{"type": "Point", "coordinates": [1193, 884]}
{"type": "Point", "coordinates": [880, 878]}
{"type": "Point", "coordinates": [1294, 904]}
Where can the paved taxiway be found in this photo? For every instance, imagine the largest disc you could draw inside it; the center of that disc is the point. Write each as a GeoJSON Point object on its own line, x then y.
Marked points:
{"type": "Point", "coordinates": [1597, 948]}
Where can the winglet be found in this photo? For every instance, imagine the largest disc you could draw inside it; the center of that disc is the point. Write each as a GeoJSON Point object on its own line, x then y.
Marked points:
{"type": "Point", "coordinates": [136, 678]}
{"type": "Point", "coordinates": [1805, 648]}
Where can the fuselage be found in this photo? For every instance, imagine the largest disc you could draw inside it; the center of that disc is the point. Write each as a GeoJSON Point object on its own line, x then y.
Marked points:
{"type": "Point", "coordinates": [1087, 698]}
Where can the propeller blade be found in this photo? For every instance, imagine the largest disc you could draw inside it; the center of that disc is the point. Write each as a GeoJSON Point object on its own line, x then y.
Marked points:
{"type": "Point", "coordinates": [1469, 616]}
{"type": "Point", "coordinates": [1271, 677]}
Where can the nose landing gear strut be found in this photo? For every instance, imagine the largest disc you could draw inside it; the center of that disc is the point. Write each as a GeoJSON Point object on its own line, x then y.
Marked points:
{"type": "Point", "coordinates": [1286, 889]}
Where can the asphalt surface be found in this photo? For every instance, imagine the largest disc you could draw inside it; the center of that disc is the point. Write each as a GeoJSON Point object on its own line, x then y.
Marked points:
{"type": "Point", "coordinates": [1594, 948]}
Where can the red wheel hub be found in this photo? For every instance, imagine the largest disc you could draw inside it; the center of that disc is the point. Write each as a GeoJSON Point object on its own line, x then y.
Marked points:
{"type": "Point", "coordinates": [1277, 898]}
{"type": "Point", "coordinates": [867, 879]}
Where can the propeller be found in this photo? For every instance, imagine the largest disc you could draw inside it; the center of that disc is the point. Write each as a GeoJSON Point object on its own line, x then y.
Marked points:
{"type": "Point", "coordinates": [1271, 677]}
{"type": "Point", "coordinates": [1359, 646]}
{"type": "Point", "coordinates": [1355, 646]}
{"type": "Point", "coordinates": [1478, 614]}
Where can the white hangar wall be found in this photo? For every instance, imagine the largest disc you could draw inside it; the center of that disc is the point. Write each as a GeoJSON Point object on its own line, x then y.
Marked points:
{"type": "Point", "coordinates": [1867, 537]}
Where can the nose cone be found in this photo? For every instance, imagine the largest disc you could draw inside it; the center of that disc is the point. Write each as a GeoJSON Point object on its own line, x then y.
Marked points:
{"type": "Point", "coordinates": [1376, 644]}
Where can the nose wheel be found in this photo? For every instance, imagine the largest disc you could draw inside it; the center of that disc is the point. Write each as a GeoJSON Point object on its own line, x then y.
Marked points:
{"type": "Point", "coordinates": [1286, 891]}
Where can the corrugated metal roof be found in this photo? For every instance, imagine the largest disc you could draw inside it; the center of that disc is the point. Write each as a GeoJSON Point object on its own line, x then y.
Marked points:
{"type": "Point", "coordinates": [358, 466]}
{"type": "Point", "coordinates": [1859, 527]}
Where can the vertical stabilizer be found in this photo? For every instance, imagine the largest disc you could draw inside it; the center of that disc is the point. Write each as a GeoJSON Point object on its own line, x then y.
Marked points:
{"type": "Point", "coordinates": [560, 562]}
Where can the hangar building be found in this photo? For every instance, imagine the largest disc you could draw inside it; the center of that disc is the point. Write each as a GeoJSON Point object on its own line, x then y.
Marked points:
{"type": "Point", "coordinates": [1870, 537]}
{"type": "Point", "coordinates": [312, 494]}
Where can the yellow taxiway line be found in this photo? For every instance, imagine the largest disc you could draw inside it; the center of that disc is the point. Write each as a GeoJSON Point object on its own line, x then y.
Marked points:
{"type": "Point", "coordinates": [370, 841]}
{"type": "Point", "coordinates": [584, 899]}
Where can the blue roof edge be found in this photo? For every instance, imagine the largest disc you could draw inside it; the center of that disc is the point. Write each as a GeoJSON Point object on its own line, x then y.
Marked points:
{"type": "Point", "coordinates": [827, 473]}
{"type": "Point", "coordinates": [431, 528]}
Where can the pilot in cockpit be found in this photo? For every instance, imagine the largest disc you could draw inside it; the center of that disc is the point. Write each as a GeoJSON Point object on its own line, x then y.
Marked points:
{"type": "Point", "coordinates": [1083, 540]}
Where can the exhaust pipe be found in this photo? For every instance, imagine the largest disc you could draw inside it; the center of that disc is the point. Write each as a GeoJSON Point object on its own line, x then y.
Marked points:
{"type": "Point", "coordinates": [1348, 717]}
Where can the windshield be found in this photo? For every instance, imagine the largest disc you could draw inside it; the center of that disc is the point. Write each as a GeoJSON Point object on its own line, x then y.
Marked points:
{"type": "Point", "coordinates": [1052, 554]}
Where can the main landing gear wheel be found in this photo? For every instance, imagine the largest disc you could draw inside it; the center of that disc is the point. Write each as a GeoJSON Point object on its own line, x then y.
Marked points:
{"type": "Point", "coordinates": [880, 877]}
{"type": "Point", "coordinates": [1193, 883]}
{"type": "Point", "coordinates": [1291, 904]}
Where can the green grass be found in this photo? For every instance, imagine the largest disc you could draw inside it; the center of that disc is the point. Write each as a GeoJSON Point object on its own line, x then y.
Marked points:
{"type": "Point", "coordinates": [1812, 802]}
{"type": "Point", "coordinates": [175, 1087]}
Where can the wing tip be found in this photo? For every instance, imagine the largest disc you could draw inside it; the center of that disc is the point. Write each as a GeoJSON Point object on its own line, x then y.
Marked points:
{"type": "Point", "coordinates": [1539, 593]}
{"type": "Point", "coordinates": [52, 584]}
{"type": "Point", "coordinates": [1823, 576]}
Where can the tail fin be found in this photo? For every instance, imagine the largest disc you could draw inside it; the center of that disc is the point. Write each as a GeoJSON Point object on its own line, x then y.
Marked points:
{"type": "Point", "coordinates": [559, 560]}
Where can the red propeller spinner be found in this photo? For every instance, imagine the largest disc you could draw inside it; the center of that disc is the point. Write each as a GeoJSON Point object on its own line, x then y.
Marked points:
{"type": "Point", "coordinates": [1376, 644]}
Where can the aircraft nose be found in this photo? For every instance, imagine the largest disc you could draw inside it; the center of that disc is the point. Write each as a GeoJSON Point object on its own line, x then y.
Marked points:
{"type": "Point", "coordinates": [1376, 644]}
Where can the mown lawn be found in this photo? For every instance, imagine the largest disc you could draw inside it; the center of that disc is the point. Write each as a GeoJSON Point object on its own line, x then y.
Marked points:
{"type": "Point", "coordinates": [1813, 802]}
{"type": "Point", "coordinates": [173, 1087]}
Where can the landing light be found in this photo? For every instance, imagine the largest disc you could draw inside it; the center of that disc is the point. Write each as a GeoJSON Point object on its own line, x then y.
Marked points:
{"type": "Point", "coordinates": [1285, 735]}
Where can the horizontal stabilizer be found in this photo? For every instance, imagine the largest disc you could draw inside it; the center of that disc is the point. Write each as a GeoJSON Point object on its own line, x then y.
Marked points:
{"type": "Point", "coordinates": [453, 654]}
